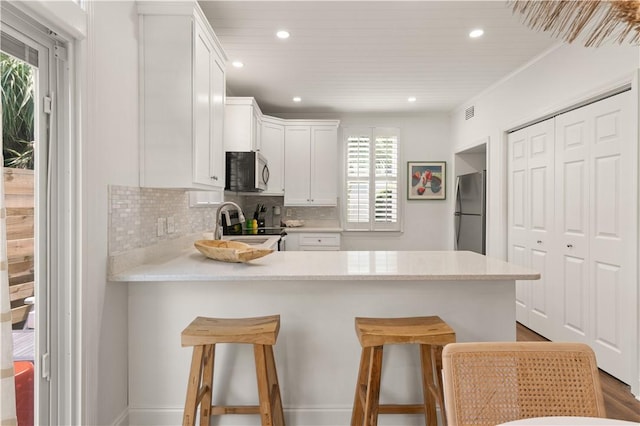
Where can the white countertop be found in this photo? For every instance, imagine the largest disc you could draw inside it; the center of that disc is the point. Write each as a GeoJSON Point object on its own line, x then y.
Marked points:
{"type": "Point", "coordinates": [190, 265]}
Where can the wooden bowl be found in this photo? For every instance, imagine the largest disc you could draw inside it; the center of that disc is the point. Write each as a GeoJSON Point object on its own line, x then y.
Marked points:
{"type": "Point", "coordinates": [229, 251]}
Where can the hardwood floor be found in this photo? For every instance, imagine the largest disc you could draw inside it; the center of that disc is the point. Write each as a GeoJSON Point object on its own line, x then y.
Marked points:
{"type": "Point", "coordinates": [618, 400]}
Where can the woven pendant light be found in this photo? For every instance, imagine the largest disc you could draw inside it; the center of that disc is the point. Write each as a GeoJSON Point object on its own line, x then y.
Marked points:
{"type": "Point", "coordinates": [599, 20]}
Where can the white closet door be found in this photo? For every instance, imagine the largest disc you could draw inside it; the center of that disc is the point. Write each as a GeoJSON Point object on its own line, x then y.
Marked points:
{"type": "Point", "coordinates": [531, 220]}
{"type": "Point", "coordinates": [517, 191]}
{"type": "Point", "coordinates": [597, 183]}
{"type": "Point", "coordinates": [572, 199]}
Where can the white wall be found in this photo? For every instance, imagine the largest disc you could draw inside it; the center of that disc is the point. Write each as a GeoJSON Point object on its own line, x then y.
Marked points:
{"type": "Point", "coordinates": [561, 78]}
{"type": "Point", "coordinates": [110, 158]}
{"type": "Point", "coordinates": [428, 225]}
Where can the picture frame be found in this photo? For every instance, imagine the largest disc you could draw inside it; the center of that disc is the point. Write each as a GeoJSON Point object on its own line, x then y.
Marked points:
{"type": "Point", "coordinates": [426, 180]}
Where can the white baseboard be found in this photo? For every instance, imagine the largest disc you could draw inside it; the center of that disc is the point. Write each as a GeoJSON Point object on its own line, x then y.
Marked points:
{"type": "Point", "coordinates": [293, 417]}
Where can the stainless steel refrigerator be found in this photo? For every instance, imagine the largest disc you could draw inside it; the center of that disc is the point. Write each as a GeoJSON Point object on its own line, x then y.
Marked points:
{"type": "Point", "coordinates": [470, 213]}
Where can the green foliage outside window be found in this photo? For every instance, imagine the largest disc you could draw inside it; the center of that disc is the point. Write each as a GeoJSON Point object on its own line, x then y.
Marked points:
{"type": "Point", "coordinates": [17, 112]}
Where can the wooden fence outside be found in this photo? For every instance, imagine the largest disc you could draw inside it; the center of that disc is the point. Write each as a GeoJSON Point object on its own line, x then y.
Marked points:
{"type": "Point", "coordinates": [19, 202]}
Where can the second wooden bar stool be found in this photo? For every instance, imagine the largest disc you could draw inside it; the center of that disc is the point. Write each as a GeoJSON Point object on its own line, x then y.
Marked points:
{"type": "Point", "coordinates": [203, 334]}
{"type": "Point", "coordinates": [431, 333]}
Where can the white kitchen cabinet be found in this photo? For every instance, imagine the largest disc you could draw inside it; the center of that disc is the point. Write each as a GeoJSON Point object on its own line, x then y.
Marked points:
{"type": "Point", "coordinates": [273, 149]}
{"type": "Point", "coordinates": [573, 217]}
{"type": "Point", "coordinates": [182, 91]}
{"type": "Point", "coordinates": [242, 124]}
{"type": "Point", "coordinates": [311, 158]}
{"type": "Point", "coordinates": [313, 241]}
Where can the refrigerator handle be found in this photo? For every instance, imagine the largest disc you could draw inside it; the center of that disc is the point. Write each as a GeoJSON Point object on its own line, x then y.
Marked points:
{"type": "Point", "coordinates": [457, 213]}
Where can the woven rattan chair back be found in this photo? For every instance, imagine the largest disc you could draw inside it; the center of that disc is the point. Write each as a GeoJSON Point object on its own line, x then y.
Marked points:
{"type": "Point", "coordinates": [495, 382]}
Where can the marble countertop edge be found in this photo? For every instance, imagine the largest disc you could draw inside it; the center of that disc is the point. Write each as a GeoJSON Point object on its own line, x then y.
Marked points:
{"type": "Point", "coordinates": [189, 265]}
{"type": "Point", "coordinates": [214, 278]}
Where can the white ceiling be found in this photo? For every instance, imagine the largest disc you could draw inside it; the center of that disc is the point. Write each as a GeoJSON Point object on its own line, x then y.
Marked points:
{"type": "Point", "coordinates": [369, 56]}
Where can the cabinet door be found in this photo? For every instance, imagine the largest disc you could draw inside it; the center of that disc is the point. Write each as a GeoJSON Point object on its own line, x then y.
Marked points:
{"type": "Point", "coordinates": [217, 160]}
{"type": "Point", "coordinates": [324, 158]}
{"type": "Point", "coordinates": [297, 162]}
{"type": "Point", "coordinates": [239, 129]}
{"type": "Point", "coordinates": [181, 99]}
{"type": "Point", "coordinates": [166, 144]}
{"type": "Point", "coordinates": [256, 125]}
{"type": "Point", "coordinates": [273, 150]}
{"type": "Point", "coordinates": [203, 108]}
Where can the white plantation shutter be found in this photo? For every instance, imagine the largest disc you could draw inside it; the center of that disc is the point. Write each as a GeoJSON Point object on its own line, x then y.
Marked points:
{"type": "Point", "coordinates": [386, 180]}
{"type": "Point", "coordinates": [372, 187]}
{"type": "Point", "coordinates": [358, 167]}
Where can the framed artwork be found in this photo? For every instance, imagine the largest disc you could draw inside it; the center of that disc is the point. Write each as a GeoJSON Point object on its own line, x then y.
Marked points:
{"type": "Point", "coordinates": [426, 180]}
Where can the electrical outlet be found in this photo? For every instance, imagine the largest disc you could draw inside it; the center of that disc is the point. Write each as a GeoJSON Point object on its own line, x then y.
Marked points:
{"type": "Point", "coordinates": [171, 225]}
{"type": "Point", "coordinates": [288, 212]}
{"type": "Point", "coordinates": [162, 224]}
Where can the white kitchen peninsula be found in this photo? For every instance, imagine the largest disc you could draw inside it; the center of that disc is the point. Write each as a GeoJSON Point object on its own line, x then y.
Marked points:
{"type": "Point", "coordinates": [317, 294]}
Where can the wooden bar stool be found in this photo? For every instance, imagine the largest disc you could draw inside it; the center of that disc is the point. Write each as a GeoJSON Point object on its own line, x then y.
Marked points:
{"type": "Point", "coordinates": [431, 333]}
{"type": "Point", "coordinates": [203, 334]}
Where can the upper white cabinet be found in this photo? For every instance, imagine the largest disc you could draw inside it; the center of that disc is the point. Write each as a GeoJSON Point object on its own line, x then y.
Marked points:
{"type": "Point", "coordinates": [182, 92]}
{"type": "Point", "coordinates": [311, 156]}
{"type": "Point", "coordinates": [273, 150]}
{"type": "Point", "coordinates": [242, 122]}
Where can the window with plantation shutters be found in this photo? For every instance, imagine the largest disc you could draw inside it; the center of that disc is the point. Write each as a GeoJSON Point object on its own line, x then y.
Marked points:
{"type": "Point", "coordinates": [371, 179]}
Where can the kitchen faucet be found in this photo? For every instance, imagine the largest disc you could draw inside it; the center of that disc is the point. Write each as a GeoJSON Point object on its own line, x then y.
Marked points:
{"type": "Point", "coordinates": [217, 231]}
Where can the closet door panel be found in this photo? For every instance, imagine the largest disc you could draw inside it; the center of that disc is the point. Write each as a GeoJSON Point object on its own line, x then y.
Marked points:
{"type": "Point", "coordinates": [517, 217]}
{"type": "Point", "coordinates": [531, 219]}
{"type": "Point", "coordinates": [518, 211]}
{"type": "Point", "coordinates": [607, 292]}
{"type": "Point", "coordinates": [574, 314]}
{"type": "Point", "coordinates": [518, 255]}
{"type": "Point", "coordinates": [572, 199]}
{"type": "Point", "coordinates": [596, 156]}
{"type": "Point", "coordinates": [540, 313]}
{"type": "Point", "coordinates": [540, 220]}
{"type": "Point", "coordinates": [613, 226]}
{"type": "Point", "coordinates": [574, 203]}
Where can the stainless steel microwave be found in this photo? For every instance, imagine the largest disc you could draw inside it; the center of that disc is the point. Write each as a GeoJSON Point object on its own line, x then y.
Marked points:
{"type": "Point", "coordinates": [246, 172]}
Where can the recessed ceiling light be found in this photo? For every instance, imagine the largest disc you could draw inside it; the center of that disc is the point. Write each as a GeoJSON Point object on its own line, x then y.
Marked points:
{"type": "Point", "coordinates": [297, 99]}
{"type": "Point", "coordinates": [476, 33]}
{"type": "Point", "coordinates": [411, 99]}
{"type": "Point", "coordinates": [283, 34]}
{"type": "Point", "coordinates": [237, 64]}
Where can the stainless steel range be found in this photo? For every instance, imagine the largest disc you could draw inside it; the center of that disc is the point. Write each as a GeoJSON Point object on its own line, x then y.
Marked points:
{"type": "Point", "coordinates": [233, 229]}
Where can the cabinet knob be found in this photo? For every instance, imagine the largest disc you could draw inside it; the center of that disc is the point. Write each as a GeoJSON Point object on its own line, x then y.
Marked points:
{"type": "Point", "coordinates": [319, 240]}
{"type": "Point", "coordinates": [569, 245]}
{"type": "Point", "coordinates": [214, 177]}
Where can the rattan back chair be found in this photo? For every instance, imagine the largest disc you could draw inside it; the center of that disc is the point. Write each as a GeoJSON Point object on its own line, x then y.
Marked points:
{"type": "Point", "coordinates": [495, 382]}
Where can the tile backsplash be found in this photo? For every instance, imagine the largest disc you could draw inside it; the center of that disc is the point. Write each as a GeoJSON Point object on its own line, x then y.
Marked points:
{"type": "Point", "coordinates": [134, 214]}
{"type": "Point", "coordinates": [313, 216]}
